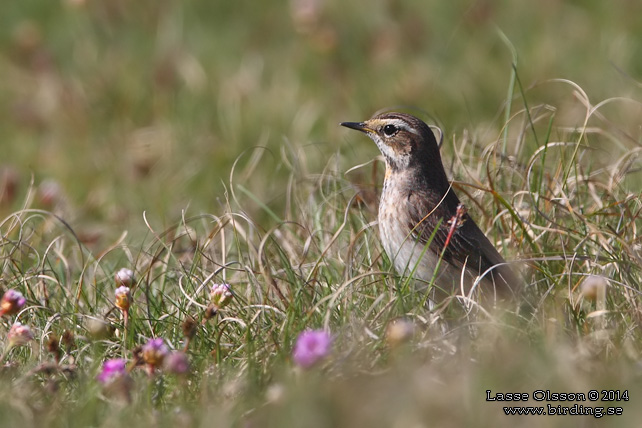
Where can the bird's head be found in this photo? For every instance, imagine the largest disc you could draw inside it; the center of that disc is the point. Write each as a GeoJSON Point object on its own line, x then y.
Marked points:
{"type": "Point", "coordinates": [404, 140]}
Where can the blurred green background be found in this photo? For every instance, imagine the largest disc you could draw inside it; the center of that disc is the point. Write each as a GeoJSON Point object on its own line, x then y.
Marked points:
{"type": "Point", "coordinates": [121, 107]}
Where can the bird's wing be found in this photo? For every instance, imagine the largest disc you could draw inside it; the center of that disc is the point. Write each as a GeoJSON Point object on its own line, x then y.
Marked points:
{"type": "Point", "coordinates": [467, 245]}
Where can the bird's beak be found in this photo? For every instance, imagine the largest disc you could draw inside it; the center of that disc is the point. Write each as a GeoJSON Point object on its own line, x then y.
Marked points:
{"type": "Point", "coordinates": [359, 126]}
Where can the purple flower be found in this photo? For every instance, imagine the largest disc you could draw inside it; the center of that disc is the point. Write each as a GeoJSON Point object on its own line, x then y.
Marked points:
{"type": "Point", "coordinates": [311, 347]}
{"type": "Point", "coordinates": [154, 352]}
{"type": "Point", "coordinates": [12, 301]}
{"type": "Point", "coordinates": [115, 379]}
{"type": "Point", "coordinates": [176, 362]}
{"type": "Point", "coordinates": [113, 369]}
{"type": "Point", "coordinates": [221, 295]}
{"type": "Point", "coordinates": [19, 334]}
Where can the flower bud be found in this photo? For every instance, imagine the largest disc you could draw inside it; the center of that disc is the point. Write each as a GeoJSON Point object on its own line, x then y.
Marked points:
{"type": "Point", "coordinates": [221, 295]}
{"type": "Point", "coordinates": [125, 277]}
{"type": "Point", "coordinates": [19, 334]}
{"type": "Point", "coordinates": [11, 303]}
{"type": "Point", "coordinates": [210, 312]}
{"type": "Point", "coordinates": [53, 346]}
{"type": "Point", "coordinates": [68, 339]}
{"type": "Point", "coordinates": [189, 327]}
{"type": "Point", "coordinates": [123, 298]}
{"type": "Point", "coordinates": [154, 352]}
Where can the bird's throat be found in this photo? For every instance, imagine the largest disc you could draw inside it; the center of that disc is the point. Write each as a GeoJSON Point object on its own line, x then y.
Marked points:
{"type": "Point", "coordinates": [388, 172]}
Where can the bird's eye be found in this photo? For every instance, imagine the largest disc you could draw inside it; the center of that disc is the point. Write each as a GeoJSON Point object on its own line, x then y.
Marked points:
{"type": "Point", "coordinates": [390, 130]}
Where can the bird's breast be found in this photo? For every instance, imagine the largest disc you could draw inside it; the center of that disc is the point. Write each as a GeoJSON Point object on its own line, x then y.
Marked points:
{"type": "Point", "coordinates": [402, 247]}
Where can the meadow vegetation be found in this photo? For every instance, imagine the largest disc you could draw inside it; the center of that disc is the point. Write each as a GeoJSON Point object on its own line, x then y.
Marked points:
{"type": "Point", "coordinates": [197, 145]}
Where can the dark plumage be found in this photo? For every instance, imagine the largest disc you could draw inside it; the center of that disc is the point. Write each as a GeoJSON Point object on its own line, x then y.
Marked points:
{"type": "Point", "coordinates": [417, 199]}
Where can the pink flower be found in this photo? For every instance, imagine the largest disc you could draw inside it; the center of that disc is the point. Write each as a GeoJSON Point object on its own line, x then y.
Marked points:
{"type": "Point", "coordinates": [19, 334]}
{"type": "Point", "coordinates": [154, 352]}
{"type": "Point", "coordinates": [311, 347]}
{"type": "Point", "coordinates": [125, 277]}
{"type": "Point", "coordinates": [11, 303]}
{"type": "Point", "coordinates": [112, 370]}
{"type": "Point", "coordinates": [176, 362]}
{"type": "Point", "coordinates": [221, 295]}
{"type": "Point", "coordinates": [116, 380]}
{"type": "Point", "coordinates": [123, 298]}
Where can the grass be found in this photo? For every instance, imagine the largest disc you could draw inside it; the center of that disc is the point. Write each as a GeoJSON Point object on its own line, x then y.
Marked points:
{"type": "Point", "coordinates": [193, 160]}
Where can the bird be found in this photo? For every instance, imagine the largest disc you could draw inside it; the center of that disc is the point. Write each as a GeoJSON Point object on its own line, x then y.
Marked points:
{"type": "Point", "coordinates": [425, 230]}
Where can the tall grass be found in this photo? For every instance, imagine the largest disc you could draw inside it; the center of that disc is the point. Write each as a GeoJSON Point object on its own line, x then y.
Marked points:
{"type": "Point", "coordinates": [563, 214]}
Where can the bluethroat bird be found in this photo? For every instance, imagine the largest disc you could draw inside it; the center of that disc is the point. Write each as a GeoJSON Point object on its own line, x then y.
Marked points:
{"type": "Point", "coordinates": [424, 228]}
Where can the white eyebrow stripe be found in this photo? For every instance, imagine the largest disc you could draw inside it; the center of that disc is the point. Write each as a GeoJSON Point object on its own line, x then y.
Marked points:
{"type": "Point", "coordinates": [401, 124]}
